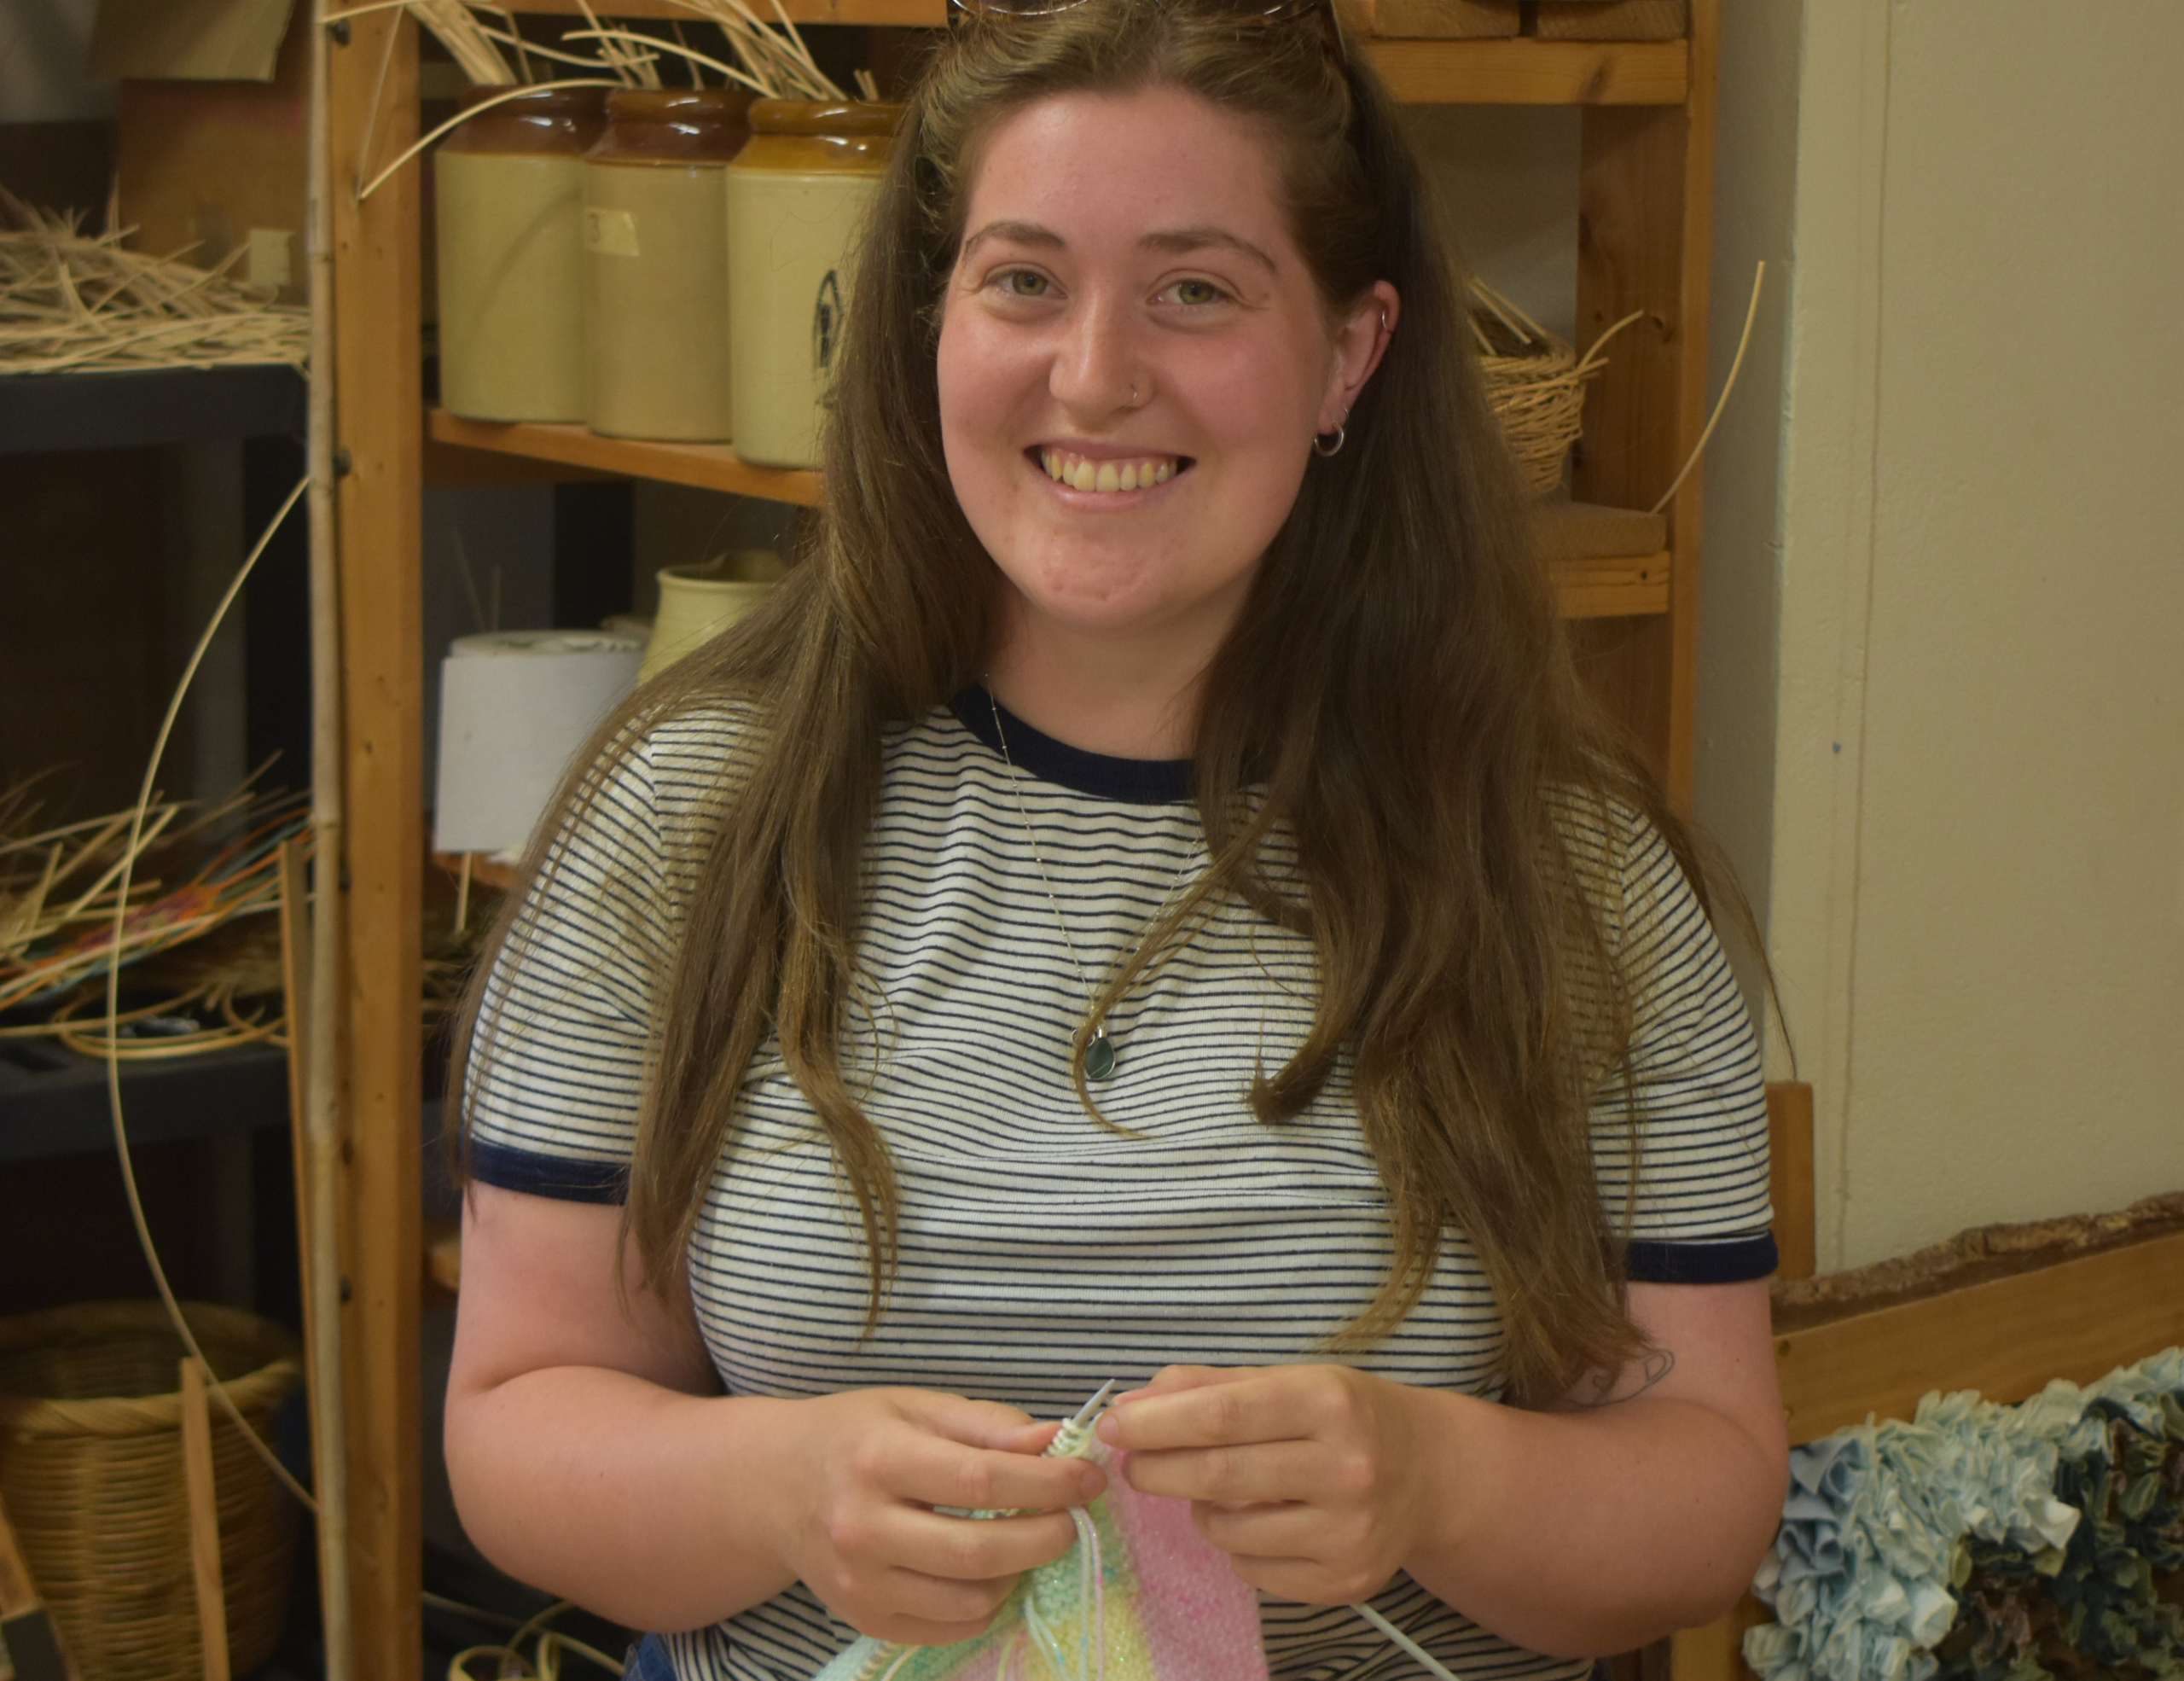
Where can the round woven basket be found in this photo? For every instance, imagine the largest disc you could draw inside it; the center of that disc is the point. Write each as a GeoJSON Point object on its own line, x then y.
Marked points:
{"type": "Point", "coordinates": [92, 1475]}
{"type": "Point", "coordinates": [1535, 384]}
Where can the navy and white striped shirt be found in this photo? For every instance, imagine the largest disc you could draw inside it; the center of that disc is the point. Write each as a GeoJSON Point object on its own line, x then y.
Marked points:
{"type": "Point", "coordinates": [1041, 1254]}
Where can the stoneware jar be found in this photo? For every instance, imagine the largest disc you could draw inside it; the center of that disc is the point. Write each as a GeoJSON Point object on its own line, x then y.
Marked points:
{"type": "Point", "coordinates": [797, 199]}
{"type": "Point", "coordinates": [655, 222]}
{"type": "Point", "coordinates": [510, 188]}
{"type": "Point", "coordinates": [698, 602]}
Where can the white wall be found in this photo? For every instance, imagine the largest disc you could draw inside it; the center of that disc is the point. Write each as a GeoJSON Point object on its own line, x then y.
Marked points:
{"type": "Point", "coordinates": [1973, 828]}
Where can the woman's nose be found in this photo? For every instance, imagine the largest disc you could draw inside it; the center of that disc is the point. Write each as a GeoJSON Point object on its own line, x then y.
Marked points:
{"type": "Point", "coordinates": [1098, 369]}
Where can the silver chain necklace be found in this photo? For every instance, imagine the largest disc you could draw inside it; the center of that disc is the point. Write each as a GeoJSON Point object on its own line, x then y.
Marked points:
{"type": "Point", "coordinates": [1099, 1055]}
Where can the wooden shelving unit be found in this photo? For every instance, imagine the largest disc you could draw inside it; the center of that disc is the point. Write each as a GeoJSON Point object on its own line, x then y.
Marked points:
{"type": "Point", "coordinates": [709, 467]}
{"type": "Point", "coordinates": [1646, 192]}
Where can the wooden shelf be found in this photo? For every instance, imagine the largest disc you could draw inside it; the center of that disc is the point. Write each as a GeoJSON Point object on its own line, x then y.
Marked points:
{"type": "Point", "coordinates": [1589, 586]}
{"type": "Point", "coordinates": [711, 467]}
{"type": "Point", "coordinates": [1524, 71]}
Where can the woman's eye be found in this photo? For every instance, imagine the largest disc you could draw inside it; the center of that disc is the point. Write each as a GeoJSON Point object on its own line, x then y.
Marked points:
{"type": "Point", "coordinates": [1197, 291]}
{"type": "Point", "coordinates": [1024, 283]}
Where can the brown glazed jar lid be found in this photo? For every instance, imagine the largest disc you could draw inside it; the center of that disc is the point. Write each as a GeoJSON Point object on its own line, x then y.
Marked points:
{"type": "Point", "coordinates": [555, 122]}
{"type": "Point", "coordinates": [820, 134]}
{"type": "Point", "coordinates": [685, 125]}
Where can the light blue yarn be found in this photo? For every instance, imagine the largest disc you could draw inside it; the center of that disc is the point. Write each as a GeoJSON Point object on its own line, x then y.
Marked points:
{"type": "Point", "coordinates": [1877, 1520]}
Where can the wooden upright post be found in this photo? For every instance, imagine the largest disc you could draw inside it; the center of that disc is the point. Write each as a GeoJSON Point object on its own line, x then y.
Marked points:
{"type": "Point", "coordinates": [1646, 200]}
{"type": "Point", "coordinates": [379, 435]}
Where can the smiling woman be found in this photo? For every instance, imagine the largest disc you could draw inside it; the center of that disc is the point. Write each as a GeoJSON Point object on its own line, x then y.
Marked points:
{"type": "Point", "coordinates": [1146, 897]}
{"type": "Point", "coordinates": [1134, 362]}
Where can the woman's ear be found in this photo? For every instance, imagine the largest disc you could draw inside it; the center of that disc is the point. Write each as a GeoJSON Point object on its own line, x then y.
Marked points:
{"type": "Point", "coordinates": [1360, 341]}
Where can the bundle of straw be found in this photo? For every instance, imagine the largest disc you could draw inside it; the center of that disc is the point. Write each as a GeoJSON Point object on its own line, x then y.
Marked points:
{"type": "Point", "coordinates": [1534, 383]}
{"type": "Point", "coordinates": [776, 63]}
{"type": "Point", "coordinates": [468, 42]}
{"type": "Point", "coordinates": [58, 888]}
{"type": "Point", "coordinates": [68, 300]}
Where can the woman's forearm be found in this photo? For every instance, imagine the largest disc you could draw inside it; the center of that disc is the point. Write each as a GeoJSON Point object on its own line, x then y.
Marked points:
{"type": "Point", "coordinates": [1590, 1533]}
{"type": "Point", "coordinates": [646, 1505]}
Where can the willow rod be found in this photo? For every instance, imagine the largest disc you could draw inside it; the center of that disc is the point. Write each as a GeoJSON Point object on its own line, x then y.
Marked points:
{"type": "Point", "coordinates": [322, 1033]}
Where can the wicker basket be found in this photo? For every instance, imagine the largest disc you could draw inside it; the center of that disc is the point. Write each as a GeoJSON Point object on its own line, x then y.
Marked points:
{"type": "Point", "coordinates": [1534, 383]}
{"type": "Point", "coordinates": [92, 1475]}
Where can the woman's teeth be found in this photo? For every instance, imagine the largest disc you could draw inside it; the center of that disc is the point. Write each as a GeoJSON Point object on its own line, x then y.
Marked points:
{"type": "Point", "coordinates": [1079, 474]}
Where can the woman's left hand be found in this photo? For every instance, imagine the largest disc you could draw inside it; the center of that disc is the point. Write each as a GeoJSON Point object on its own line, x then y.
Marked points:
{"type": "Point", "coordinates": [1310, 1477]}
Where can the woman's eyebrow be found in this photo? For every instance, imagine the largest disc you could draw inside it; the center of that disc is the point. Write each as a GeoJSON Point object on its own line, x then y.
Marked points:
{"type": "Point", "coordinates": [1020, 233]}
{"type": "Point", "coordinates": [1180, 241]}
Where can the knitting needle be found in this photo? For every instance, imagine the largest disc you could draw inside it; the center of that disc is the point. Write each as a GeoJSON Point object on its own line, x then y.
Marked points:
{"type": "Point", "coordinates": [1090, 1410]}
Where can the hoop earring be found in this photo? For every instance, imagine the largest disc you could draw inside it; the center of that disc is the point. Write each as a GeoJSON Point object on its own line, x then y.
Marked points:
{"type": "Point", "coordinates": [1323, 448]}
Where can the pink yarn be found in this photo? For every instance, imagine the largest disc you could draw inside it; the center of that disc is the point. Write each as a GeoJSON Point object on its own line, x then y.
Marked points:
{"type": "Point", "coordinates": [1200, 1621]}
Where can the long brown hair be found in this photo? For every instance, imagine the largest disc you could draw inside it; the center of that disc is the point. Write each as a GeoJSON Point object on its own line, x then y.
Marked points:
{"type": "Point", "coordinates": [1395, 697]}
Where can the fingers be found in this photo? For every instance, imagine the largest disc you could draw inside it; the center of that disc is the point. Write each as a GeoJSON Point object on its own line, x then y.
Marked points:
{"type": "Point", "coordinates": [909, 1606]}
{"type": "Point", "coordinates": [1236, 1475]}
{"type": "Point", "coordinates": [959, 1418]}
{"type": "Point", "coordinates": [1306, 1580]}
{"type": "Point", "coordinates": [977, 1549]}
{"type": "Point", "coordinates": [1198, 1407]}
{"type": "Point", "coordinates": [934, 1472]}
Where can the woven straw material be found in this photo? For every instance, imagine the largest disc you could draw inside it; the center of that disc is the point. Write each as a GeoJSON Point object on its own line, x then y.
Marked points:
{"type": "Point", "coordinates": [92, 1475]}
{"type": "Point", "coordinates": [1535, 384]}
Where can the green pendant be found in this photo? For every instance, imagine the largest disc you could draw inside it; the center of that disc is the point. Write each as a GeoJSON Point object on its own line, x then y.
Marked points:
{"type": "Point", "coordinates": [1098, 1055]}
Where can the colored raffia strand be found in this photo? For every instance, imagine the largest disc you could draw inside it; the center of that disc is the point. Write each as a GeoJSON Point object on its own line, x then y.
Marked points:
{"type": "Point", "coordinates": [71, 301]}
{"type": "Point", "coordinates": [62, 893]}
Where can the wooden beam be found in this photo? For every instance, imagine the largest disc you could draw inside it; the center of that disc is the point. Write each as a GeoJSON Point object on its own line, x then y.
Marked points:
{"type": "Point", "coordinates": [1611, 588]}
{"type": "Point", "coordinates": [2007, 1337]}
{"type": "Point", "coordinates": [379, 395]}
{"type": "Point", "coordinates": [1645, 218]}
{"type": "Point", "coordinates": [1789, 1175]}
{"type": "Point", "coordinates": [203, 1490]}
{"type": "Point", "coordinates": [1533, 73]}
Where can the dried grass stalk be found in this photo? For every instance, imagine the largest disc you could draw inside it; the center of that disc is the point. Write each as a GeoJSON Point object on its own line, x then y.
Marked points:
{"type": "Point", "coordinates": [69, 301]}
{"type": "Point", "coordinates": [776, 59]}
{"type": "Point", "coordinates": [467, 41]}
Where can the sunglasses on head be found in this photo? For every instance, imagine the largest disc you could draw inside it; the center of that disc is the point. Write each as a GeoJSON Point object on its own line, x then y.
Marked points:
{"type": "Point", "coordinates": [1278, 11]}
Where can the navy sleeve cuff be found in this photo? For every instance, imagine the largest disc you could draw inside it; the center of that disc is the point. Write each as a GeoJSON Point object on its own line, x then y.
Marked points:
{"type": "Point", "coordinates": [556, 1177]}
{"type": "Point", "coordinates": [1725, 1260]}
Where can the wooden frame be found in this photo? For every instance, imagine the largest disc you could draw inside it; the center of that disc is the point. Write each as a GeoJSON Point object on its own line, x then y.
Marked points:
{"type": "Point", "coordinates": [1646, 191]}
{"type": "Point", "coordinates": [379, 394]}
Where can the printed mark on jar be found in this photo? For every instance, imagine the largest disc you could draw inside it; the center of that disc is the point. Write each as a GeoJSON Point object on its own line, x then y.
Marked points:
{"type": "Point", "coordinates": [825, 325]}
{"type": "Point", "coordinates": [610, 233]}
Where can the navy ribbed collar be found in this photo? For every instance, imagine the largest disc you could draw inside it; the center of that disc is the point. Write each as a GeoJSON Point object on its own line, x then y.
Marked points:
{"type": "Point", "coordinates": [1141, 781]}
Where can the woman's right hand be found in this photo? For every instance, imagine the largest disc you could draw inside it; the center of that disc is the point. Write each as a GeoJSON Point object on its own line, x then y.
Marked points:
{"type": "Point", "coordinates": [854, 1497]}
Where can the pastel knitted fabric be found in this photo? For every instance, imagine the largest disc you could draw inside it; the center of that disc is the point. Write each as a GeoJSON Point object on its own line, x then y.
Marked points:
{"type": "Point", "coordinates": [1166, 1608]}
{"type": "Point", "coordinates": [1878, 1522]}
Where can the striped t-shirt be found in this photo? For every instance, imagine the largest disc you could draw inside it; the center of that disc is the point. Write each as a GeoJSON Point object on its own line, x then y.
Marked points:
{"type": "Point", "coordinates": [1041, 1254]}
